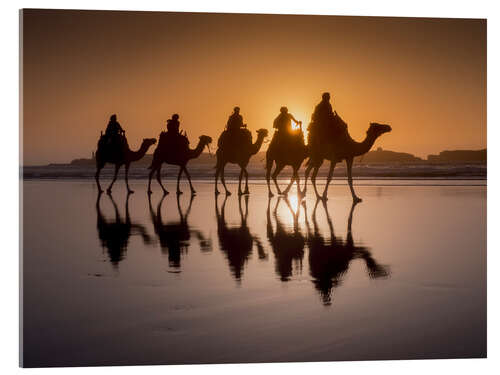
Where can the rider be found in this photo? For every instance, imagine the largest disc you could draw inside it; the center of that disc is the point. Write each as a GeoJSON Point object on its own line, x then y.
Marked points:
{"type": "Point", "coordinates": [114, 128]}
{"type": "Point", "coordinates": [235, 121]}
{"type": "Point", "coordinates": [283, 124]}
{"type": "Point", "coordinates": [173, 124]}
{"type": "Point", "coordinates": [175, 140]}
{"type": "Point", "coordinates": [323, 111]}
{"type": "Point", "coordinates": [114, 135]}
{"type": "Point", "coordinates": [324, 118]}
{"type": "Point", "coordinates": [284, 120]}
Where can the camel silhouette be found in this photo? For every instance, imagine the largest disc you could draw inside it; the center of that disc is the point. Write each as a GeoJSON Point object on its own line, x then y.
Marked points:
{"type": "Point", "coordinates": [289, 149]}
{"type": "Point", "coordinates": [105, 155]}
{"type": "Point", "coordinates": [236, 242]}
{"type": "Point", "coordinates": [342, 148]}
{"type": "Point", "coordinates": [329, 260]}
{"type": "Point", "coordinates": [237, 153]}
{"type": "Point", "coordinates": [288, 245]}
{"type": "Point", "coordinates": [178, 157]}
{"type": "Point", "coordinates": [175, 237]}
{"type": "Point", "coordinates": [114, 235]}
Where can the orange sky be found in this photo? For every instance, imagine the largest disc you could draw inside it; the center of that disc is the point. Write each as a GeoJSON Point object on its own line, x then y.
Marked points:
{"type": "Point", "coordinates": [425, 77]}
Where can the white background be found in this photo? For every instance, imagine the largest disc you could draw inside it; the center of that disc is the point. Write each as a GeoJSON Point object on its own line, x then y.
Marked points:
{"type": "Point", "coordinates": [9, 157]}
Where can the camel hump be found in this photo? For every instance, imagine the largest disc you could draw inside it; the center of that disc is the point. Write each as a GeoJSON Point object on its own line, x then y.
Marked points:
{"type": "Point", "coordinates": [237, 137]}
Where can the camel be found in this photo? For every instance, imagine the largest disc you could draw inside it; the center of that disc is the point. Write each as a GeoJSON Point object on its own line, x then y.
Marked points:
{"type": "Point", "coordinates": [237, 153]}
{"type": "Point", "coordinates": [289, 149]}
{"type": "Point", "coordinates": [175, 236]}
{"type": "Point", "coordinates": [115, 235]}
{"type": "Point", "coordinates": [162, 155]}
{"type": "Point", "coordinates": [103, 156]}
{"type": "Point", "coordinates": [237, 242]}
{"type": "Point", "coordinates": [343, 148]}
{"type": "Point", "coordinates": [330, 260]}
{"type": "Point", "coordinates": [288, 245]}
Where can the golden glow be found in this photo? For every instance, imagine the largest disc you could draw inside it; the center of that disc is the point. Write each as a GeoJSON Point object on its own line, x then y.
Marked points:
{"type": "Point", "coordinates": [410, 73]}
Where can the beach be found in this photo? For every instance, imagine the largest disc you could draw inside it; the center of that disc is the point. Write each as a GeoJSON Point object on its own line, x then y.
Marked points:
{"type": "Point", "coordinates": [401, 275]}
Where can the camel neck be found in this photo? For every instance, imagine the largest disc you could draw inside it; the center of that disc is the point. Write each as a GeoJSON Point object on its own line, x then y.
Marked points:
{"type": "Point", "coordinates": [136, 155]}
{"type": "Point", "coordinates": [365, 146]}
{"type": "Point", "coordinates": [257, 145]}
{"type": "Point", "coordinates": [193, 154]}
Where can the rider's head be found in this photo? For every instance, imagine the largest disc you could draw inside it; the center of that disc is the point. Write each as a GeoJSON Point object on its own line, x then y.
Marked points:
{"type": "Point", "coordinates": [112, 118]}
{"type": "Point", "coordinates": [236, 109]}
{"type": "Point", "coordinates": [175, 116]}
{"type": "Point", "coordinates": [283, 109]}
{"type": "Point", "coordinates": [326, 96]}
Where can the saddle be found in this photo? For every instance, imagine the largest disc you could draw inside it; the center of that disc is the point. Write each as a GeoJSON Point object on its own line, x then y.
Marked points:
{"type": "Point", "coordinates": [237, 136]}
{"type": "Point", "coordinates": [174, 142]}
{"type": "Point", "coordinates": [113, 145]}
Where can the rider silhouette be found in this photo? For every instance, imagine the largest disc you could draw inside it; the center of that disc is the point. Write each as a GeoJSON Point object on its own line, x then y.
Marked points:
{"type": "Point", "coordinates": [173, 124]}
{"type": "Point", "coordinates": [235, 121]}
{"type": "Point", "coordinates": [175, 141]}
{"type": "Point", "coordinates": [324, 120]}
{"type": "Point", "coordinates": [114, 128]}
{"type": "Point", "coordinates": [284, 120]}
{"type": "Point", "coordinates": [323, 112]}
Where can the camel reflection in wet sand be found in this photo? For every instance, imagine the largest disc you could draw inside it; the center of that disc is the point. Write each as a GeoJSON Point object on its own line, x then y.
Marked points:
{"type": "Point", "coordinates": [114, 235]}
{"type": "Point", "coordinates": [329, 260]}
{"type": "Point", "coordinates": [288, 245]}
{"type": "Point", "coordinates": [175, 236]}
{"type": "Point", "coordinates": [237, 241]}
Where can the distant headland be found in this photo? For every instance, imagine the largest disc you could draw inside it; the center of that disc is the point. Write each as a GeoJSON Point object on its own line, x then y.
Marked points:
{"type": "Point", "coordinates": [373, 157]}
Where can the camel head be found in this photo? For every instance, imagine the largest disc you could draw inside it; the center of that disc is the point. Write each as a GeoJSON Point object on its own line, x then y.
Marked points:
{"type": "Point", "coordinates": [377, 130]}
{"type": "Point", "coordinates": [148, 142]}
{"type": "Point", "coordinates": [205, 139]}
{"type": "Point", "coordinates": [262, 133]}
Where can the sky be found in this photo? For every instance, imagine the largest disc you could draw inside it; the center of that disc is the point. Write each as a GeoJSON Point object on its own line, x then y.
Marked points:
{"type": "Point", "coordinates": [425, 77]}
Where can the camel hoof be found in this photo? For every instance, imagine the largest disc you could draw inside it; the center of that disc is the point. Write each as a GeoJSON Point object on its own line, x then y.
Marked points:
{"type": "Point", "coordinates": [100, 191]}
{"type": "Point", "coordinates": [165, 192]}
{"type": "Point", "coordinates": [179, 192]}
{"type": "Point", "coordinates": [217, 192]}
{"type": "Point", "coordinates": [270, 195]}
{"type": "Point", "coordinates": [324, 198]}
{"type": "Point", "coordinates": [108, 191]}
{"type": "Point", "coordinates": [150, 192]}
{"type": "Point", "coordinates": [357, 200]}
{"type": "Point", "coordinates": [193, 192]}
{"type": "Point", "coordinates": [130, 192]}
{"type": "Point", "coordinates": [228, 192]}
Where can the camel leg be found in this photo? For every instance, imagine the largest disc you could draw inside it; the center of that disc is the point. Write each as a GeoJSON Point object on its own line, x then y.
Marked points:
{"type": "Point", "coordinates": [217, 172]}
{"type": "Point", "coordinates": [275, 174]}
{"type": "Point", "coordinates": [313, 179]}
{"type": "Point", "coordinates": [153, 169]}
{"type": "Point", "coordinates": [178, 181]}
{"type": "Point", "coordinates": [117, 167]}
{"type": "Point", "coordinates": [297, 180]}
{"type": "Point", "coordinates": [158, 178]}
{"type": "Point", "coordinates": [269, 166]}
{"type": "Point", "coordinates": [97, 174]}
{"type": "Point", "coordinates": [129, 191]}
{"type": "Point", "coordinates": [348, 162]}
{"type": "Point", "coordinates": [292, 180]}
{"type": "Point", "coordinates": [308, 170]}
{"type": "Point", "coordinates": [193, 192]}
{"type": "Point", "coordinates": [246, 182]}
{"type": "Point", "coordinates": [328, 180]}
{"type": "Point", "coordinates": [239, 182]}
{"type": "Point", "coordinates": [224, 181]}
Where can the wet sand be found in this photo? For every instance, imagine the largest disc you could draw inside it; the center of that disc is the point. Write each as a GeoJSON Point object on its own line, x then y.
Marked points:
{"type": "Point", "coordinates": [407, 281]}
